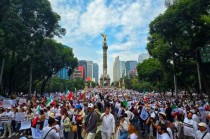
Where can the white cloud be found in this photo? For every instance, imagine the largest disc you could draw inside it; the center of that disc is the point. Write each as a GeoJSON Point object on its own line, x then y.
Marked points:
{"type": "Point", "coordinates": [127, 20]}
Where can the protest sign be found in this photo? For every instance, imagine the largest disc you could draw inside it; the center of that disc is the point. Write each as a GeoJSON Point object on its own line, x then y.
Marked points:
{"type": "Point", "coordinates": [25, 125]}
{"type": "Point", "coordinates": [22, 100]}
{"type": "Point", "coordinates": [144, 115]}
{"type": "Point", "coordinates": [7, 103]}
{"type": "Point", "coordinates": [4, 118]}
{"type": "Point", "coordinates": [36, 133]}
{"type": "Point", "coordinates": [19, 116]}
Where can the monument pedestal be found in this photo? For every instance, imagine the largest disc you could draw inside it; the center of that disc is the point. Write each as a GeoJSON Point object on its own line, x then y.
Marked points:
{"type": "Point", "coordinates": [104, 80]}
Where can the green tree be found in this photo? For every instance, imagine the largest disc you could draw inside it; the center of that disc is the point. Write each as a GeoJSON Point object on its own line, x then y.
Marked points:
{"type": "Point", "coordinates": [175, 35]}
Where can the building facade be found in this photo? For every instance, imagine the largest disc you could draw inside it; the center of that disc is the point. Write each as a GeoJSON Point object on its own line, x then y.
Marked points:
{"type": "Point", "coordinates": [122, 69]}
{"type": "Point", "coordinates": [130, 65]}
{"type": "Point", "coordinates": [63, 74]}
{"type": "Point", "coordinates": [83, 63]}
{"type": "Point", "coordinates": [89, 69]}
{"type": "Point", "coordinates": [95, 72]}
{"type": "Point", "coordinates": [116, 69]}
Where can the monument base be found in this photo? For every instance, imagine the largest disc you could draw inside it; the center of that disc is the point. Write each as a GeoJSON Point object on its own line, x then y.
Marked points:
{"type": "Point", "coordinates": [105, 81]}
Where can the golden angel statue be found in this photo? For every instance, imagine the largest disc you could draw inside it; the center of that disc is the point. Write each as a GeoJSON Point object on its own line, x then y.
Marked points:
{"type": "Point", "coordinates": [104, 36]}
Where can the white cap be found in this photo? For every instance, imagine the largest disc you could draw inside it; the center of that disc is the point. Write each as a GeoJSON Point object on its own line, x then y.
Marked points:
{"type": "Point", "coordinates": [162, 113]}
{"type": "Point", "coordinates": [90, 105]}
{"type": "Point", "coordinates": [202, 124]}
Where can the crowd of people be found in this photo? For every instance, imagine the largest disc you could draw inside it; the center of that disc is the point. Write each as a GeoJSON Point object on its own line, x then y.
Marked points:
{"type": "Point", "coordinates": [109, 114]}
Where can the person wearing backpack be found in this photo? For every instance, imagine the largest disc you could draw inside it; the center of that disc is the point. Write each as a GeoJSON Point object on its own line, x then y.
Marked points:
{"type": "Point", "coordinates": [202, 133]}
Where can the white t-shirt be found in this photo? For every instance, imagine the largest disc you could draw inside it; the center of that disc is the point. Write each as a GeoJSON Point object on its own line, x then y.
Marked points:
{"type": "Point", "coordinates": [133, 136]}
{"type": "Point", "coordinates": [51, 135]}
{"type": "Point", "coordinates": [165, 136]}
{"type": "Point", "coordinates": [199, 135]}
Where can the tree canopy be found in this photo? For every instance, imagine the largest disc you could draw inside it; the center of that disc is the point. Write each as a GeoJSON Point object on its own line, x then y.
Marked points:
{"type": "Point", "coordinates": [28, 52]}
{"type": "Point", "coordinates": [175, 39]}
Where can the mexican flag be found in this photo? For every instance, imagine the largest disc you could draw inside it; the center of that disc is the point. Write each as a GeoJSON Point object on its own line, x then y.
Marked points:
{"type": "Point", "coordinates": [38, 109]}
{"type": "Point", "coordinates": [69, 96]}
{"type": "Point", "coordinates": [49, 101]}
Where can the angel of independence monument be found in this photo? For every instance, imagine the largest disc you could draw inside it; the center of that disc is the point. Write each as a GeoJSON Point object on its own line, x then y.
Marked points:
{"type": "Point", "coordinates": [104, 79]}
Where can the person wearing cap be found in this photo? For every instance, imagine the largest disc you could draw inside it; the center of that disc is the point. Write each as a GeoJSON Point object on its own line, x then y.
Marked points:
{"type": "Point", "coordinates": [78, 118]}
{"type": "Point", "coordinates": [202, 133]}
{"type": "Point", "coordinates": [108, 123]}
{"type": "Point", "coordinates": [189, 126]}
{"type": "Point", "coordinates": [50, 132]}
{"type": "Point", "coordinates": [91, 122]}
{"type": "Point", "coordinates": [9, 115]}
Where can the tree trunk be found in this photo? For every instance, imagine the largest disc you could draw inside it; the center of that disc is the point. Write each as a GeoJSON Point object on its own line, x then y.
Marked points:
{"type": "Point", "coordinates": [11, 74]}
{"type": "Point", "coordinates": [43, 85]}
{"type": "Point", "coordinates": [2, 70]}
{"type": "Point", "coordinates": [30, 76]}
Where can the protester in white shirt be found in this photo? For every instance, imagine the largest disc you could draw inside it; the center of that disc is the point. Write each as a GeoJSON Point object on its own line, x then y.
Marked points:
{"type": "Point", "coordinates": [190, 126]}
{"type": "Point", "coordinates": [108, 124]}
{"type": "Point", "coordinates": [202, 133]}
{"type": "Point", "coordinates": [162, 131]}
{"type": "Point", "coordinates": [50, 132]}
{"type": "Point", "coordinates": [130, 115]}
{"type": "Point", "coordinates": [9, 115]}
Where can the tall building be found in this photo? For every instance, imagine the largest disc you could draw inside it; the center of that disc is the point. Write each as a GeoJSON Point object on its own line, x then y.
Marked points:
{"type": "Point", "coordinates": [89, 69]}
{"type": "Point", "coordinates": [95, 72]}
{"type": "Point", "coordinates": [122, 68]}
{"type": "Point", "coordinates": [63, 74]}
{"type": "Point", "coordinates": [83, 63]}
{"type": "Point", "coordinates": [130, 65]}
{"type": "Point", "coordinates": [116, 69]}
{"type": "Point", "coordinates": [142, 57]}
{"type": "Point", "coordinates": [77, 74]}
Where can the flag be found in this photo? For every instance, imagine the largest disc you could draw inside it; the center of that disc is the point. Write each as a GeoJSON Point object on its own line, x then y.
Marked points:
{"type": "Point", "coordinates": [69, 96]}
{"type": "Point", "coordinates": [144, 115]}
{"type": "Point", "coordinates": [82, 96]}
{"type": "Point", "coordinates": [49, 101]}
{"type": "Point", "coordinates": [174, 107]}
{"type": "Point", "coordinates": [38, 109]}
{"type": "Point", "coordinates": [34, 121]}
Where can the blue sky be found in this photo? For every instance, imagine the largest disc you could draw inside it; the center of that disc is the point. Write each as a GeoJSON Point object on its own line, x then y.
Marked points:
{"type": "Point", "coordinates": [124, 21]}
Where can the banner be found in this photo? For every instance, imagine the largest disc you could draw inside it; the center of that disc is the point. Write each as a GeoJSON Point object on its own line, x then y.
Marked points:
{"type": "Point", "coordinates": [7, 103]}
{"type": "Point", "coordinates": [22, 100]}
{"type": "Point", "coordinates": [19, 116]}
{"type": "Point", "coordinates": [25, 125]}
{"type": "Point", "coordinates": [36, 133]}
{"type": "Point", "coordinates": [5, 118]}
